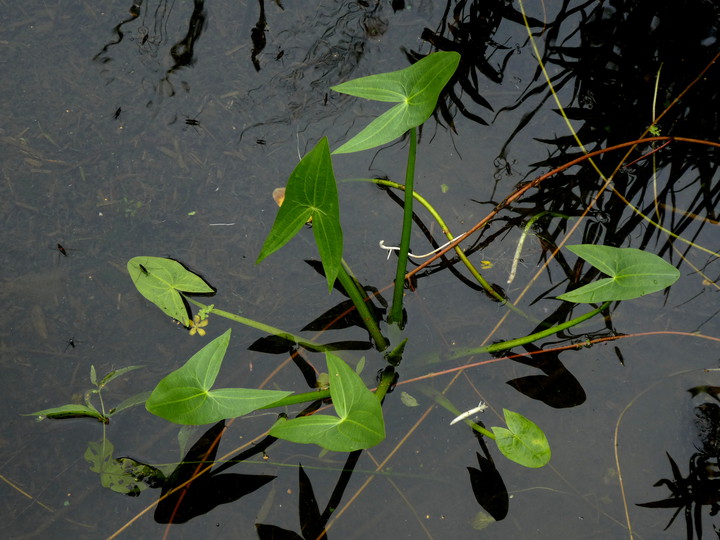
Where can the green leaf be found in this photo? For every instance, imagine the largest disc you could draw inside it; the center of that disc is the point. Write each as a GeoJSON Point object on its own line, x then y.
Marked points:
{"type": "Point", "coordinates": [142, 472]}
{"type": "Point", "coordinates": [415, 89]}
{"type": "Point", "coordinates": [115, 374]}
{"type": "Point", "coordinates": [162, 280]}
{"type": "Point", "coordinates": [523, 441]}
{"type": "Point", "coordinates": [633, 273]}
{"type": "Point", "coordinates": [113, 475]}
{"type": "Point", "coordinates": [137, 399]}
{"type": "Point", "coordinates": [311, 191]}
{"type": "Point", "coordinates": [359, 423]}
{"type": "Point", "coordinates": [71, 411]}
{"type": "Point", "coordinates": [408, 400]}
{"type": "Point", "coordinates": [185, 395]}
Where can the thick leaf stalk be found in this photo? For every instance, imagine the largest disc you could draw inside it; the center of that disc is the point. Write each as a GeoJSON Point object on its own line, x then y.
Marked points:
{"type": "Point", "coordinates": [358, 299]}
{"type": "Point", "coordinates": [399, 290]}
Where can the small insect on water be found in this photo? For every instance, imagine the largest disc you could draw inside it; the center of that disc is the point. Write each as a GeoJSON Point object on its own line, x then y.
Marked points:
{"type": "Point", "coordinates": [193, 122]}
{"type": "Point", "coordinates": [61, 249]}
{"type": "Point", "coordinates": [70, 343]}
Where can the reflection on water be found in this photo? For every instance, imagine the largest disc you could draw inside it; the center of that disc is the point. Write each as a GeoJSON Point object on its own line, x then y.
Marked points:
{"type": "Point", "coordinates": [700, 488]}
{"type": "Point", "coordinates": [161, 128]}
{"type": "Point", "coordinates": [151, 28]}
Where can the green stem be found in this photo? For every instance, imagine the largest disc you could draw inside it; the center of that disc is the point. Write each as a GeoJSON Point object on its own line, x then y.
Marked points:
{"type": "Point", "coordinates": [505, 345]}
{"type": "Point", "coordinates": [446, 404]}
{"type": "Point", "coordinates": [397, 304]}
{"type": "Point", "coordinates": [294, 399]}
{"type": "Point", "coordinates": [311, 345]}
{"type": "Point", "coordinates": [357, 295]}
{"type": "Point", "coordinates": [477, 427]}
{"type": "Point", "coordinates": [386, 380]}
{"type": "Point", "coordinates": [446, 231]}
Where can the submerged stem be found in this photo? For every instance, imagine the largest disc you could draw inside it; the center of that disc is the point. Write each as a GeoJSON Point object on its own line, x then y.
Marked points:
{"type": "Point", "coordinates": [294, 399]}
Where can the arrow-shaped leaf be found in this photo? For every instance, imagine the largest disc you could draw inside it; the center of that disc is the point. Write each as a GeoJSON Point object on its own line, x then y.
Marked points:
{"type": "Point", "coordinates": [633, 273]}
{"type": "Point", "coordinates": [311, 191]}
{"type": "Point", "coordinates": [185, 395]}
{"type": "Point", "coordinates": [415, 89]}
{"type": "Point", "coordinates": [359, 423]}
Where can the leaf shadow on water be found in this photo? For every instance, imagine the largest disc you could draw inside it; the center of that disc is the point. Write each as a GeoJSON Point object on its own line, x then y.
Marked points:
{"type": "Point", "coordinates": [208, 491]}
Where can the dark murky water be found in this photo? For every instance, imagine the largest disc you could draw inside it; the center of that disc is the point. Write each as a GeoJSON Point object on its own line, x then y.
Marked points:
{"type": "Point", "coordinates": [161, 128]}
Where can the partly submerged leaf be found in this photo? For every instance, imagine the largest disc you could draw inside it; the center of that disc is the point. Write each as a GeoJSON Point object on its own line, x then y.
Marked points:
{"type": "Point", "coordinates": [185, 395]}
{"type": "Point", "coordinates": [115, 374]}
{"type": "Point", "coordinates": [142, 472]}
{"type": "Point", "coordinates": [71, 411]}
{"type": "Point", "coordinates": [132, 401]}
{"type": "Point", "coordinates": [311, 192]}
{"type": "Point", "coordinates": [523, 441]}
{"type": "Point", "coordinates": [162, 280]}
{"type": "Point", "coordinates": [481, 520]}
{"type": "Point", "coordinates": [415, 89]}
{"type": "Point", "coordinates": [408, 400]}
{"type": "Point", "coordinates": [359, 423]}
{"type": "Point", "coordinates": [633, 273]}
{"type": "Point", "coordinates": [114, 474]}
